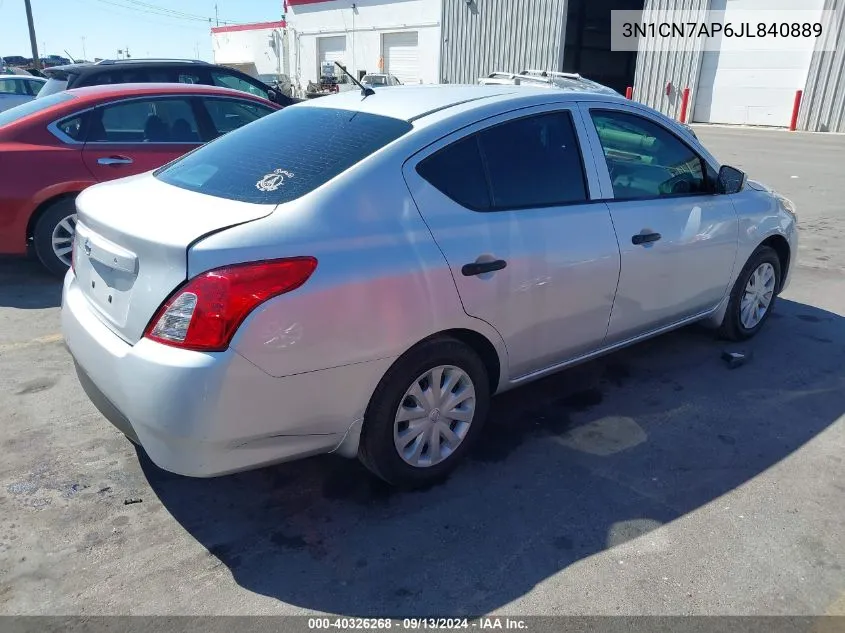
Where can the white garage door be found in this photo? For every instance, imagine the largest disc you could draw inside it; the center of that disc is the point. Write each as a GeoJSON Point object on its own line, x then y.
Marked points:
{"type": "Point", "coordinates": [749, 88]}
{"type": "Point", "coordinates": [741, 86]}
{"type": "Point", "coordinates": [402, 56]}
{"type": "Point", "coordinates": [331, 49]}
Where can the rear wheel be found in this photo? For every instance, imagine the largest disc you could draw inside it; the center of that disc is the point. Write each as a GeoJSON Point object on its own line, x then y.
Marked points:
{"type": "Point", "coordinates": [425, 414]}
{"type": "Point", "coordinates": [53, 235]}
{"type": "Point", "coordinates": [753, 295]}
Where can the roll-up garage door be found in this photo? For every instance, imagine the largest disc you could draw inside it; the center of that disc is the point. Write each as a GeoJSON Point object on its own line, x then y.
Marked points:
{"type": "Point", "coordinates": [402, 56]}
{"type": "Point", "coordinates": [331, 49]}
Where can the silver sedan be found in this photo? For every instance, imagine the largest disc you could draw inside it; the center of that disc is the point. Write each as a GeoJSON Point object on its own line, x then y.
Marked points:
{"type": "Point", "coordinates": [360, 274]}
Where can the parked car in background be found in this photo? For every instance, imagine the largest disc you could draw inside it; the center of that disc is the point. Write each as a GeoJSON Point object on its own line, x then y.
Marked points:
{"type": "Point", "coordinates": [54, 147]}
{"type": "Point", "coordinates": [16, 60]}
{"type": "Point", "coordinates": [380, 79]}
{"type": "Point", "coordinates": [122, 71]}
{"type": "Point", "coordinates": [359, 275]}
{"type": "Point", "coordinates": [18, 89]}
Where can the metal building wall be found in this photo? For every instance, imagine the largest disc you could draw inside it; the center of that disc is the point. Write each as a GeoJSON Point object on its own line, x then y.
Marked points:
{"type": "Point", "coordinates": [481, 36]}
{"type": "Point", "coordinates": [823, 105]}
{"type": "Point", "coordinates": [656, 68]}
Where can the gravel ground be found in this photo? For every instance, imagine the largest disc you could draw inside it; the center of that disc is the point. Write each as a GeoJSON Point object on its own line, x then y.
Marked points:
{"type": "Point", "coordinates": [655, 481]}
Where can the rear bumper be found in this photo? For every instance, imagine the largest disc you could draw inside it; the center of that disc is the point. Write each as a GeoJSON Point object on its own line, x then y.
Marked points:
{"type": "Point", "coordinates": [203, 414]}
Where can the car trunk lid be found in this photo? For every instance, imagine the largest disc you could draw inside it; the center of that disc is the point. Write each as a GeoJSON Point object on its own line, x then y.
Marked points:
{"type": "Point", "coordinates": [132, 240]}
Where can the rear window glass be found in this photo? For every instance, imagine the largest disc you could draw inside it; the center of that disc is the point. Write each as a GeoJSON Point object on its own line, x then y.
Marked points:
{"type": "Point", "coordinates": [53, 85]}
{"type": "Point", "coordinates": [283, 156]}
{"type": "Point", "coordinates": [32, 107]}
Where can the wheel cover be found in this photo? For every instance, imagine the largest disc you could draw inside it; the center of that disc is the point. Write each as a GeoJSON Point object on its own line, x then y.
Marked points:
{"type": "Point", "coordinates": [62, 236]}
{"type": "Point", "coordinates": [757, 296]}
{"type": "Point", "coordinates": [434, 416]}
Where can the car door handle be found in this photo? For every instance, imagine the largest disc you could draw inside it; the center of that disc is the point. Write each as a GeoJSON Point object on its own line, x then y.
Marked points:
{"type": "Point", "coordinates": [115, 160]}
{"type": "Point", "coordinates": [479, 268]}
{"type": "Point", "coordinates": [645, 238]}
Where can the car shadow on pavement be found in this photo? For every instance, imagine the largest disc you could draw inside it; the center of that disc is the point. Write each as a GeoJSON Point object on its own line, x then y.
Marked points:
{"type": "Point", "coordinates": [567, 467]}
{"type": "Point", "coordinates": [26, 284]}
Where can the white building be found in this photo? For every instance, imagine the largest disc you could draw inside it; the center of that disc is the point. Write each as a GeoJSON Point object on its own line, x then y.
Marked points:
{"type": "Point", "coordinates": [256, 49]}
{"type": "Point", "coordinates": [397, 37]}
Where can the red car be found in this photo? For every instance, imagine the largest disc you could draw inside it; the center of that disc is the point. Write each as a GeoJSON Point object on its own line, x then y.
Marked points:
{"type": "Point", "coordinates": [53, 148]}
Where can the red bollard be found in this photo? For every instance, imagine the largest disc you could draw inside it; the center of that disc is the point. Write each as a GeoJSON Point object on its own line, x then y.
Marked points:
{"type": "Point", "coordinates": [684, 105]}
{"type": "Point", "coordinates": [629, 92]}
{"type": "Point", "coordinates": [796, 107]}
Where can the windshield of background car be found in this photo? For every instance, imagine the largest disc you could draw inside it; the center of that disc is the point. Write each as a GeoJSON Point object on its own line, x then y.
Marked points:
{"type": "Point", "coordinates": [283, 156]}
{"type": "Point", "coordinates": [31, 107]}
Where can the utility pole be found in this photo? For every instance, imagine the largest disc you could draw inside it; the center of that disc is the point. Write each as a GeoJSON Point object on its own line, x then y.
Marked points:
{"type": "Point", "coordinates": [84, 56]}
{"type": "Point", "coordinates": [36, 60]}
{"type": "Point", "coordinates": [216, 15]}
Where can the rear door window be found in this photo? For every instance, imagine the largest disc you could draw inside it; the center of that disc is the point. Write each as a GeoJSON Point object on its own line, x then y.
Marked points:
{"type": "Point", "coordinates": [144, 121]}
{"type": "Point", "coordinates": [284, 156]}
{"type": "Point", "coordinates": [534, 162]}
{"type": "Point", "coordinates": [530, 162]}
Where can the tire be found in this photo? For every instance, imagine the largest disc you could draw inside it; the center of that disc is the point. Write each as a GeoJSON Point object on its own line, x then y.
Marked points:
{"type": "Point", "coordinates": [381, 432]}
{"type": "Point", "coordinates": [51, 218]}
{"type": "Point", "coordinates": [732, 327]}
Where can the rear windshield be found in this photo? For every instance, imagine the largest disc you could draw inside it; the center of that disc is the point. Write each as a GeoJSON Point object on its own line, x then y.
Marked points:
{"type": "Point", "coordinates": [31, 107]}
{"type": "Point", "coordinates": [54, 85]}
{"type": "Point", "coordinates": [283, 156]}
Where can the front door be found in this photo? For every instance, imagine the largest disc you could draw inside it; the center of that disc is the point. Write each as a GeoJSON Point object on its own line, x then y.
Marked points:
{"type": "Point", "coordinates": [508, 202]}
{"type": "Point", "coordinates": [132, 136]}
{"type": "Point", "coordinates": [677, 237]}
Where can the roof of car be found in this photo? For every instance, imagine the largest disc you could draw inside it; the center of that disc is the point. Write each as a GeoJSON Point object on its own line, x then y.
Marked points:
{"type": "Point", "coordinates": [96, 92]}
{"type": "Point", "coordinates": [22, 77]}
{"type": "Point", "coordinates": [416, 101]}
{"type": "Point", "coordinates": [111, 63]}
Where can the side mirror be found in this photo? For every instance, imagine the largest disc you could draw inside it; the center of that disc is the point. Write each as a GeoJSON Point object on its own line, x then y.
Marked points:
{"type": "Point", "coordinates": [731, 180]}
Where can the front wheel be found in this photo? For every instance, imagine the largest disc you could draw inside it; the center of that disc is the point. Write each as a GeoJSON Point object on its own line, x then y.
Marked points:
{"type": "Point", "coordinates": [753, 295]}
{"type": "Point", "coordinates": [425, 414]}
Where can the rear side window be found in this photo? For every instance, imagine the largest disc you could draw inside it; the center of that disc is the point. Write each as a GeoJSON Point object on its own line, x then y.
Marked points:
{"type": "Point", "coordinates": [283, 156]}
{"type": "Point", "coordinates": [457, 171]}
{"type": "Point", "coordinates": [531, 162]}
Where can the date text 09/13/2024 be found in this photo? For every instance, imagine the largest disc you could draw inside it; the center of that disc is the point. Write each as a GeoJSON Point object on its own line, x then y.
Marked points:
{"type": "Point", "coordinates": [483, 623]}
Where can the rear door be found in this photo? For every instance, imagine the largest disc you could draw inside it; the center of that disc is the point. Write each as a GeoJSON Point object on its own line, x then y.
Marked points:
{"type": "Point", "coordinates": [509, 202]}
{"type": "Point", "coordinates": [678, 238]}
{"type": "Point", "coordinates": [135, 135]}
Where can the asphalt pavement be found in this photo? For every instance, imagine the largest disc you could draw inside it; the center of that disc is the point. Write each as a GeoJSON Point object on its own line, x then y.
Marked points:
{"type": "Point", "coordinates": [653, 481]}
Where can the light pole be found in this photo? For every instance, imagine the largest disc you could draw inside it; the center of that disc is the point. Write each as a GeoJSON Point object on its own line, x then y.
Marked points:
{"type": "Point", "coordinates": [36, 60]}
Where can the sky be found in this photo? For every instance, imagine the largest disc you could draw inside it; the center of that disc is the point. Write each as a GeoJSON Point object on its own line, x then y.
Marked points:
{"type": "Point", "coordinates": [148, 28]}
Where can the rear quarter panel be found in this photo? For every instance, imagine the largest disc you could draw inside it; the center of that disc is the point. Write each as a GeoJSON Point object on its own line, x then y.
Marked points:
{"type": "Point", "coordinates": [381, 283]}
{"type": "Point", "coordinates": [32, 175]}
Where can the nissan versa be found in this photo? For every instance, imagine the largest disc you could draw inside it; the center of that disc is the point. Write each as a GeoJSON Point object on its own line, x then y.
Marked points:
{"type": "Point", "coordinates": [358, 274]}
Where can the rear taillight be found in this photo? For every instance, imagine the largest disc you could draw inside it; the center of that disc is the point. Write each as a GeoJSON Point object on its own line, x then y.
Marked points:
{"type": "Point", "coordinates": [205, 312]}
